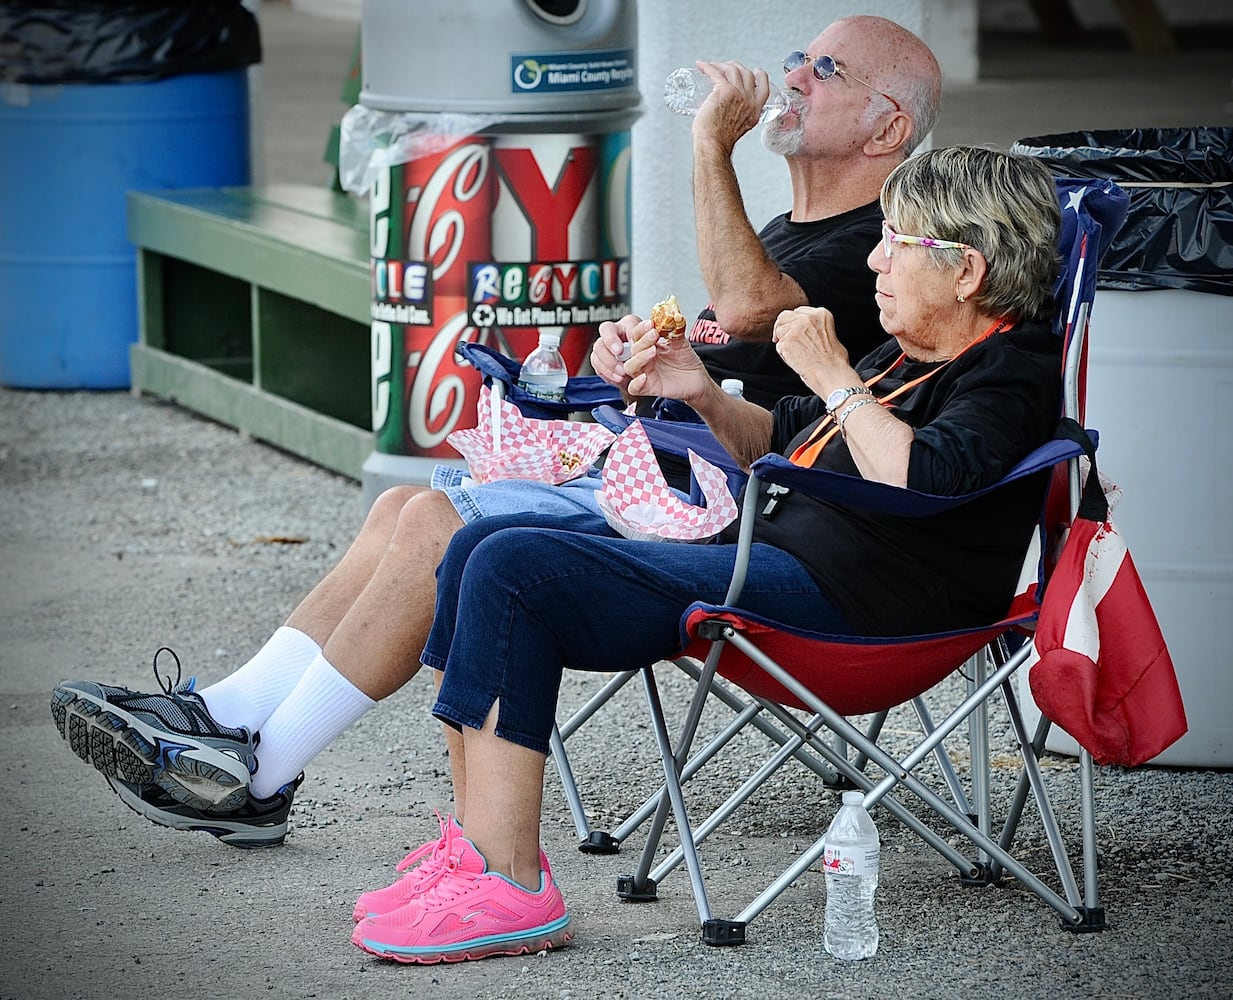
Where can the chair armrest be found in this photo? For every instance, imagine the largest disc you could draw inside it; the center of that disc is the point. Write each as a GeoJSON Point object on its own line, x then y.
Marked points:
{"type": "Point", "coordinates": [674, 438]}
{"type": "Point", "coordinates": [852, 491]}
{"type": "Point", "coordinates": [582, 392]}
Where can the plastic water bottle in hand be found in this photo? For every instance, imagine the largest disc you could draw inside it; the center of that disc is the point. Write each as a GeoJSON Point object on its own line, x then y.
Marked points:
{"type": "Point", "coordinates": [851, 863]}
{"type": "Point", "coordinates": [686, 88]}
{"type": "Point", "coordinates": [543, 373]}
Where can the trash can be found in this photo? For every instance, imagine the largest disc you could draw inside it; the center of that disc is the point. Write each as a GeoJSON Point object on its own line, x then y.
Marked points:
{"type": "Point", "coordinates": [493, 139]}
{"type": "Point", "coordinates": [1160, 388]}
{"type": "Point", "coordinates": [99, 97]}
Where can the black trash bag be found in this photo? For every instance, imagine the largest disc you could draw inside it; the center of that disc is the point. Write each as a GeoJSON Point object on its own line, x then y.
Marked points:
{"type": "Point", "coordinates": [123, 41]}
{"type": "Point", "coordinates": [1179, 226]}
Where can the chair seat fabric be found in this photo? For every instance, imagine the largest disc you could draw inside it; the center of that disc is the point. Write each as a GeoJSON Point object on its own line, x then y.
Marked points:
{"type": "Point", "coordinates": [856, 675]}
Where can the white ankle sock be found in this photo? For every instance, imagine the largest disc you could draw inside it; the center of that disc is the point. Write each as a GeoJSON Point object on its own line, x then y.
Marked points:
{"type": "Point", "coordinates": [247, 696]}
{"type": "Point", "coordinates": [322, 705]}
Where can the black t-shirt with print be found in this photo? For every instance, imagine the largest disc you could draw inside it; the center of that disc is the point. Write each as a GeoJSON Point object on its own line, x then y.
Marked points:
{"type": "Point", "coordinates": [827, 259]}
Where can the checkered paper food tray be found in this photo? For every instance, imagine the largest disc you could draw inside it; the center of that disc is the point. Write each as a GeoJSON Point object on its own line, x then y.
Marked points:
{"type": "Point", "coordinates": [636, 499]}
{"type": "Point", "coordinates": [549, 451]}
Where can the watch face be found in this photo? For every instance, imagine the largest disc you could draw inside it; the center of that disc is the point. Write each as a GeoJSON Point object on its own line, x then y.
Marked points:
{"type": "Point", "coordinates": [835, 398]}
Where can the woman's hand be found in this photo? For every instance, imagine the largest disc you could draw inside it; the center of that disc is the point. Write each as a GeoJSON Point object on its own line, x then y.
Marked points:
{"type": "Point", "coordinates": [805, 339]}
{"type": "Point", "coordinates": [659, 367]}
{"type": "Point", "coordinates": [608, 350]}
{"type": "Point", "coordinates": [879, 442]}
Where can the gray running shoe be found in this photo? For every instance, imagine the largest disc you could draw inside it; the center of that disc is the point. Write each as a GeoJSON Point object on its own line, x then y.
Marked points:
{"type": "Point", "coordinates": [168, 740]}
{"type": "Point", "coordinates": [257, 823]}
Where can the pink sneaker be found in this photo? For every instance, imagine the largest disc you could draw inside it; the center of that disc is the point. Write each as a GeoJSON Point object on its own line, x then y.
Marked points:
{"type": "Point", "coordinates": [431, 857]}
{"type": "Point", "coordinates": [429, 861]}
{"type": "Point", "coordinates": [468, 913]}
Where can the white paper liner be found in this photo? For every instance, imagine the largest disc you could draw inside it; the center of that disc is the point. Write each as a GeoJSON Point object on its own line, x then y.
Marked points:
{"type": "Point", "coordinates": [637, 502]}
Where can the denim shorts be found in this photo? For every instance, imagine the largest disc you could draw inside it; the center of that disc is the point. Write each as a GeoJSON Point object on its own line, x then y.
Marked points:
{"type": "Point", "coordinates": [474, 500]}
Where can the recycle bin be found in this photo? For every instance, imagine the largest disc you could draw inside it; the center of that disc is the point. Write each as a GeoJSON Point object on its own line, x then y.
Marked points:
{"type": "Point", "coordinates": [492, 137]}
{"type": "Point", "coordinates": [1160, 388]}
{"type": "Point", "coordinates": [98, 97]}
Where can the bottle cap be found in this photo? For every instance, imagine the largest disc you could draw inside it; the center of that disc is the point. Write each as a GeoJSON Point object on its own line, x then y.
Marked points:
{"type": "Point", "coordinates": [855, 798]}
{"type": "Point", "coordinates": [548, 339]}
{"type": "Point", "coordinates": [733, 386]}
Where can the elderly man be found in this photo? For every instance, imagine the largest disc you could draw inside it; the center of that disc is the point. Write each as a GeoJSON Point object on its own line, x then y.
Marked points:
{"type": "Point", "coordinates": [866, 93]}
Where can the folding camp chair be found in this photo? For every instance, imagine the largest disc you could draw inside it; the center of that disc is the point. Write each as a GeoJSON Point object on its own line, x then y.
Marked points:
{"type": "Point", "coordinates": [834, 677]}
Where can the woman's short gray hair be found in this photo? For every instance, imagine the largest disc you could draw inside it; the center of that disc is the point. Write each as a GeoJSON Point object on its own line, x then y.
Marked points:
{"type": "Point", "coordinates": [1004, 205]}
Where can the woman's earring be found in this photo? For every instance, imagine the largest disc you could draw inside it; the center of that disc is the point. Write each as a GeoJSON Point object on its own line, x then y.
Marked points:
{"type": "Point", "coordinates": [961, 297]}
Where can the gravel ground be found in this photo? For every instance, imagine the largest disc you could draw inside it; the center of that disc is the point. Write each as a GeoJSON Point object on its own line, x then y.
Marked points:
{"type": "Point", "coordinates": [127, 524]}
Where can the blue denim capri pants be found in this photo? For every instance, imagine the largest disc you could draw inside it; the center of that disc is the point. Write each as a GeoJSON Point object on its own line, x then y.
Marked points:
{"type": "Point", "coordinates": [524, 596]}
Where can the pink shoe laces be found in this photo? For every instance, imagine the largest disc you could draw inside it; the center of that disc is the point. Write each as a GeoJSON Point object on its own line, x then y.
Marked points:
{"type": "Point", "coordinates": [432, 851]}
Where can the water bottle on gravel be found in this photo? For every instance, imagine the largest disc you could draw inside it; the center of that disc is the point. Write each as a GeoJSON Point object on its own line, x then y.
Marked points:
{"type": "Point", "coordinates": [543, 374]}
{"type": "Point", "coordinates": [686, 88]}
{"type": "Point", "coordinates": [851, 864]}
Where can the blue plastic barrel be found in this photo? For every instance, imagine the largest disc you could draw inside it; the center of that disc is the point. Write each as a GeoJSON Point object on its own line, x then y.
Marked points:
{"type": "Point", "coordinates": [68, 153]}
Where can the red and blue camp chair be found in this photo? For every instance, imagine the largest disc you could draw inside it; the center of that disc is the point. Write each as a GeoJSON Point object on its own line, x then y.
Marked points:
{"type": "Point", "coordinates": [834, 677]}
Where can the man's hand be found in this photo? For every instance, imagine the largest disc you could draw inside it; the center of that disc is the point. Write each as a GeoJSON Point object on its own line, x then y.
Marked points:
{"type": "Point", "coordinates": [734, 106]}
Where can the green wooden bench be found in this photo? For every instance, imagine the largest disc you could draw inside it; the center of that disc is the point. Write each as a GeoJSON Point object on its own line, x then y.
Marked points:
{"type": "Point", "coordinates": [254, 311]}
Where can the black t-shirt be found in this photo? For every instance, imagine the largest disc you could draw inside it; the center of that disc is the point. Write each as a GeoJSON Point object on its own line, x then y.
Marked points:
{"type": "Point", "coordinates": [975, 419]}
{"type": "Point", "coordinates": [827, 259]}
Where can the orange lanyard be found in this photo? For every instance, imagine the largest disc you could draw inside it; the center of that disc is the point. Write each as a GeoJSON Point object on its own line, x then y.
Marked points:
{"type": "Point", "coordinates": [807, 453]}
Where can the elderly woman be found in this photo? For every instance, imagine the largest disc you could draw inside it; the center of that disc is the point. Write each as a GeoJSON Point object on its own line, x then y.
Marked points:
{"type": "Point", "coordinates": [969, 386]}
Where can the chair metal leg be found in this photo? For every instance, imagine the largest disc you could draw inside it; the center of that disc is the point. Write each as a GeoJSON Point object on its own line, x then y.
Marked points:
{"type": "Point", "coordinates": [898, 774]}
{"type": "Point", "coordinates": [570, 787]}
{"type": "Point", "coordinates": [861, 761]}
{"type": "Point", "coordinates": [1093, 912]}
{"type": "Point", "coordinates": [1014, 811]}
{"type": "Point", "coordinates": [590, 841]}
{"type": "Point", "coordinates": [736, 799]}
{"type": "Point", "coordinates": [638, 886]}
{"type": "Point", "coordinates": [1090, 914]}
{"type": "Point", "coordinates": [714, 931]}
{"type": "Point", "coordinates": [1031, 768]}
{"type": "Point", "coordinates": [939, 754]}
{"type": "Point", "coordinates": [978, 736]}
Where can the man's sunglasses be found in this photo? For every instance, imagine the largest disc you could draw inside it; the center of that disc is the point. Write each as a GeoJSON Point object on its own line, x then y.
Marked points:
{"type": "Point", "coordinates": [825, 67]}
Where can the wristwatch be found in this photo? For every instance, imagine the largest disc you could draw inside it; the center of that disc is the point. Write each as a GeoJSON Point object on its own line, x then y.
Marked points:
{"type": "Point", "coordinates": [840, 396]}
